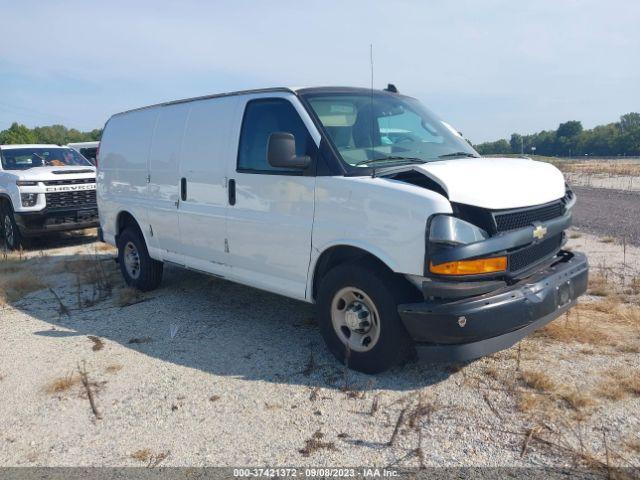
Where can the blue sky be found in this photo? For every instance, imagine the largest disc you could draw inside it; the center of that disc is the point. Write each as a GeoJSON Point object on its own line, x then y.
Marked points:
{"type": "Point", "coordinates": [489, 67]}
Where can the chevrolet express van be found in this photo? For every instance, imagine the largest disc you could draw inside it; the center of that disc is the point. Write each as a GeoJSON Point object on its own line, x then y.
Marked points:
{"type": "Point", "coordinates": [43, 189]}
{"type": "Point", "coordinates": [362, 202]}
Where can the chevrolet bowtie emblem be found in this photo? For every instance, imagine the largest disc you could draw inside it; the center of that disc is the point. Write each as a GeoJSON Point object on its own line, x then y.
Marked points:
{"type": "Point", "coordinates": [539, 232]}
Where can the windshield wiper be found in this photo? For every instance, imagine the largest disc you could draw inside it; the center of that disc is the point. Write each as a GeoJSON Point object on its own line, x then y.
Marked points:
{"type": "Point", "coordinates": [458, 154]}
{"type": "Point", "coordinates": [391, 158]}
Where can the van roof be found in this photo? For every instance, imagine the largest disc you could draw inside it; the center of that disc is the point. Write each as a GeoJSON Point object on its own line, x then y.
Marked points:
{"type": "Point", "coordinates": [294, 90]}
{"type": "Point", "coordinates": [31, 145]}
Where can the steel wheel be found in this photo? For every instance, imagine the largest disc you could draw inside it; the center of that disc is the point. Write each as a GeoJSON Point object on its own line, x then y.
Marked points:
{"type": "Point", "coordinates": [131, 260]}
{"type": "Point", "coordinates": [355, 319]}
{"type": "Point", "coordinates": [9, 235]}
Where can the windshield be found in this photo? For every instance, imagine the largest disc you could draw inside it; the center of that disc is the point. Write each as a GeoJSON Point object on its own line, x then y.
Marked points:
{"type": "Point", "coordinates": [383, 129]}
{"type": "Point", "coordinates": [26, 158]}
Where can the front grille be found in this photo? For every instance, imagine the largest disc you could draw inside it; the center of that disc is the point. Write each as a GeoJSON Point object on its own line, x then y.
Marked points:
{"type": "Point", "coordinates": [83, 198]}
{"type": "Point", "coordinates": [523, 218]}
{"type": "Point", "coordinates": [526, 256]}
{"type": "Point", "coordinates": [78, 181]}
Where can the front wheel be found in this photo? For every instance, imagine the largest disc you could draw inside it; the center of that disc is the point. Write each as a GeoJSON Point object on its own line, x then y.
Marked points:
{"type": "Point", "coordinates": [359, 318]}
{"type": "Point", "coordinates": [10, 232]}
{"type": "Point", "coordinates": [138, 268]}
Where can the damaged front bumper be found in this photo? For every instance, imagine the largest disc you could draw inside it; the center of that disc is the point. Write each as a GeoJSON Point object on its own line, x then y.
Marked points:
{"type": "Point", "coordinates": [448, 330]}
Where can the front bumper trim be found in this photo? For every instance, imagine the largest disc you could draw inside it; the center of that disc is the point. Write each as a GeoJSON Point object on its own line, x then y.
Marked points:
{"type": "Point", "coordinates": [45, 221]}
{"type": "Point", "coordinates": [495, 320]}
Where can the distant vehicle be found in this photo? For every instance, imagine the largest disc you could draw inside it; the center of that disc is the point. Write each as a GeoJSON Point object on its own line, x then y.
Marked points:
{"type": "Point", "coordinates": [44, 188]}
{"type": "Point", "coordinates": [89, 150]}
{"type": "Point", "coordinates": [360, 201]}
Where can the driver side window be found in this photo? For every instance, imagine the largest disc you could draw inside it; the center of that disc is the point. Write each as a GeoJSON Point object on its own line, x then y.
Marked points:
{"type": "Point", "coordinates": [262, 118]}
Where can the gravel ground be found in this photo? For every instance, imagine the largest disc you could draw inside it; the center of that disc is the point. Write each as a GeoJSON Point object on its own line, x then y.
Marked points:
{"type": "Point", "coordinates": [203, 372]}
{"type": "Point", "coordinates": [608, 212]}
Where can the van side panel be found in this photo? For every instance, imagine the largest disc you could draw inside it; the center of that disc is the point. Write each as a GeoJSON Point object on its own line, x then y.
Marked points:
{"type": "Point", "coordinates": [164, 184]}
{"type": "Point", "coordinates": [123, 169]}
{"type": "Point", "coordinates": [384, 217]}
{"type": "Point", "coordinates": [207, 146]}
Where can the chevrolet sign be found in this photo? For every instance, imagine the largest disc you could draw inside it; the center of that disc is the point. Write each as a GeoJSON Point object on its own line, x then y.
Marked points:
{"type": "Point", "coordinates": [71, 188]}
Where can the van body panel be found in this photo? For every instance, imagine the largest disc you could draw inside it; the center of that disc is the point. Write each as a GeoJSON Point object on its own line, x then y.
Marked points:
{"type": "Point", "coordinates": [164, 187]}
{"type": "Point", "coordinates": [497, 183]}
{"type": "Point", "coordinates": [209, 140]}
{"type": "Point", "coordinates": [269, 228]}
{"type": "Point", "coordinates": [123, 169]}
{"type": "Point", "coordinates": [386, 218]}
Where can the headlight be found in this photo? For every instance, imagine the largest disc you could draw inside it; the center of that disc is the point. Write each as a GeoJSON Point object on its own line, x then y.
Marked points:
{"type": "Point", "coordinates": [448, 230]}
{"type": "Point", "coordinates": [29, 199]}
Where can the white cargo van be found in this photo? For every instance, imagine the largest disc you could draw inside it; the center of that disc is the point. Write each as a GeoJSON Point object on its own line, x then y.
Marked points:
{"type": "Point", "coordinates": [44, 188]}
{"type": "Point", "coordinates": [360, 201]}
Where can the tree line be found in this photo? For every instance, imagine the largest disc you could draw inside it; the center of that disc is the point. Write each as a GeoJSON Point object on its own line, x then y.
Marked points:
{"type": "Point", "coordinates": [570, 139]}
{"type": "Point", "coordinates": [52, 134]}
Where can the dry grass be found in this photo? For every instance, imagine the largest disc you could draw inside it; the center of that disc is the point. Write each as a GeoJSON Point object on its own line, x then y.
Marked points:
{"type": "Point", "coordinates": [315, 444]}
{"type": "Point", "coordinates": [572, 328]}
{"type": "Point", "coordinates": [142, 455]}
{"type": "Point", "coordinates": [617, 384]}
{"type": "Point", "coordinates": [62, 384]}
{"type": "Point", "coordinates": [113, 368]}
{"type": "Point", "coordinates": [599, 285]}
{"type": "Point", "coordinates": [16, 285]}
{"type": "Point", "coordinates": [618, 167]}
{"type": "Point", "coordinates": [98, 344]}
{"type": "Point", "coordinates": [607, 240]}
{"type": "Point", "coordinates": [105, 247]}
{"type": "Point", "coordinates": [528, 402]}
{"type": "Point", "coordinates": [128, 296]}
{"type": "Point", "coordinates": [537, 380]}
{"type": "Point", "coordinates": [577, 399]}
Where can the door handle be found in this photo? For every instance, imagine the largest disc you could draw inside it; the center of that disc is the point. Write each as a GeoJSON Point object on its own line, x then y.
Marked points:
{"type": "Point", "coordinates": [232, 191]}
{"type": "Point", "coordinates": [183, 189]}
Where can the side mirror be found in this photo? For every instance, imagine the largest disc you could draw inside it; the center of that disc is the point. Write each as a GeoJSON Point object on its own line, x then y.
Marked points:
{"type": "Point", "coordinates": [281, 152]}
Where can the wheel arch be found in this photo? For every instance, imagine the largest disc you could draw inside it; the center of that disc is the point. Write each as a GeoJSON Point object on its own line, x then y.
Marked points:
{"type": "Point", "coordinates": [339, 254]}
{"type": "Point", "coordinates": [126, 219]}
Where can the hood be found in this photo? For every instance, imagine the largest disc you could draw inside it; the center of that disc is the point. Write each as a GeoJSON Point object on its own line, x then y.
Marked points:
{"type": "Point", "coordinates": [496, 183]}
{"type": "Point", "coordinates": [54, 173]}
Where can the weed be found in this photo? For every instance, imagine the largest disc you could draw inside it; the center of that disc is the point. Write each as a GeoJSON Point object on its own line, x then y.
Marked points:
{"type": "Point", "coordinates": [62, 384]}
{"type": "Point", "coordinates": [140, 340]}
{"type": "Point", "coordinates": [142, 455]}
{"type": "Point", "coordinates": [539, 381]}
{"type": "Point", "coordinates": [619, 384]}
{"type": "Point", "coordinates": [214, 398]}
{"type": "Point", "coordinates": [578, 400]}
{"type": "Point", "coordinates": [607, 240]}
{"type": "Point", "coordinates": [573, 236]}
{"type": "Point", "coordinates": [128, 296]}
{"type": "Point", "coordinates": [311, 365]}
{"type": "Point", "coordinates": [16, 285]}
{"type": "Point", "coordinates": [315, 444]}
{"type": "Point", "coordinates": [599, 285]}
{"type": "Point", "coordinates": [113, 368]}
{"type": "Point", "coordinates": [98, 344]}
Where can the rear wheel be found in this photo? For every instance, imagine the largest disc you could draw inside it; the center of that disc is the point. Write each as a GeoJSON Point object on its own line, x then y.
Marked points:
{"type": "Point", "coordinates": [10, 233]}
{"type": "Point", "coordinates": [138, 268]}
{"type": "Point", "coordinates": [359, 319]}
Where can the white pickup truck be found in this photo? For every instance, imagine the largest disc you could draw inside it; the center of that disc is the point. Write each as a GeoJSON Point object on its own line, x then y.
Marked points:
{"type": "Point", "coordinates": [360, 201]}
{"type": "Point", "coordinates": [43, 189]}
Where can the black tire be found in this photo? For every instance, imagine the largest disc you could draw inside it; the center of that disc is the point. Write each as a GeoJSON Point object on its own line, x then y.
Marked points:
{"type": "Point", "coordinates": [148, 275]}
{"type": "Point", "coordinates": [386, 291]}
{"type": "Point", "coordinates": [13, 240]}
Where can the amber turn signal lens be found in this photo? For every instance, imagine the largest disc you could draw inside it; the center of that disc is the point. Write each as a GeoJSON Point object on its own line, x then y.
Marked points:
{"type": "Point", "coordinates": [470, 267]}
